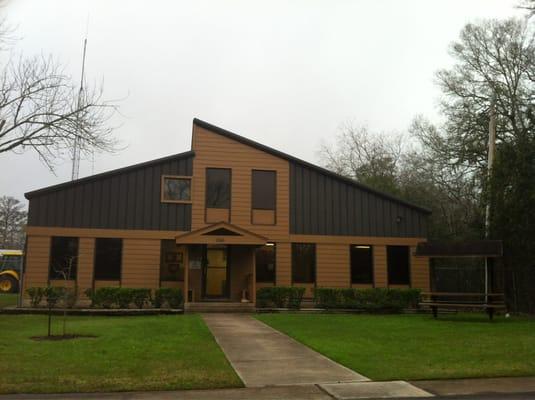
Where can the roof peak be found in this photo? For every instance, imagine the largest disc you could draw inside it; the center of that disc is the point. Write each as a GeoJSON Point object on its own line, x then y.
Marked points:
{"type": "Point", "coordinates": [285, 156]}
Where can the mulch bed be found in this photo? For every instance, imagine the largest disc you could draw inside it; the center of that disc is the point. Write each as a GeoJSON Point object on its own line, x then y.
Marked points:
{"type": "Point", "coordinates": [55, 338]}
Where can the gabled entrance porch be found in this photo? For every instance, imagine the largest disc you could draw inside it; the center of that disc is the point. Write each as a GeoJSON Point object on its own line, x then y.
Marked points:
{"type": "Point", "coordinates": [220, 268]}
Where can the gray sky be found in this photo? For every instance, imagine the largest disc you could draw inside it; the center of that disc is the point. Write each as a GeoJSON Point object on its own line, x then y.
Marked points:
{"type": "Point", "coordinates": [285, 73]}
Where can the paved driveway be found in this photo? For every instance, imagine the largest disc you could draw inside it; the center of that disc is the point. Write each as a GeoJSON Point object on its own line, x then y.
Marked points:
{"type": "Point", "coordinates": [263, 356]}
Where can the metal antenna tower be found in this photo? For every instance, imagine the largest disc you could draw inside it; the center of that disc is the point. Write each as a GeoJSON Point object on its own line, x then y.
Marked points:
{"type": "Point", "coordinates": [77, 144]}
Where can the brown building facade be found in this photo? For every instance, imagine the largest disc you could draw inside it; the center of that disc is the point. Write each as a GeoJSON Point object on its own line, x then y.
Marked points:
{"type": "Point", "coordinates": [220, 221]}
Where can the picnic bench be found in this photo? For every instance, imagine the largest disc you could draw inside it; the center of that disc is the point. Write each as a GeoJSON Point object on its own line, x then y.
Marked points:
{"type": "Point", "coordinates": [489, 302]}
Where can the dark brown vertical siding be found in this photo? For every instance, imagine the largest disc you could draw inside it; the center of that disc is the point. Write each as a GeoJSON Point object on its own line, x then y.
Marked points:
{"type": "Point", "coordinates": [128, 199]}
{"type": "Point", "coordinates": [323, 205]}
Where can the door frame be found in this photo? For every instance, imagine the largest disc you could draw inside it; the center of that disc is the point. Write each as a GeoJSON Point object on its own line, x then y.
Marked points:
{"type": "Point", "coordinates": [226, 294]}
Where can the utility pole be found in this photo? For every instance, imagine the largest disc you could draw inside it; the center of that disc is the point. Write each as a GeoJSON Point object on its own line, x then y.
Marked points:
{"type": "Point", "coordinates": [490, 163]}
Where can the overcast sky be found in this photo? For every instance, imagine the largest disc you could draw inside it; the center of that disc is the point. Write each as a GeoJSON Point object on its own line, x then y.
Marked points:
{"type": "Point", "coordinates": [285, 73]}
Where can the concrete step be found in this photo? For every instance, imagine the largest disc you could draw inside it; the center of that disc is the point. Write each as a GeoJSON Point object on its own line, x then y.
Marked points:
{"type": "Point", "coordinates": [219, 307]}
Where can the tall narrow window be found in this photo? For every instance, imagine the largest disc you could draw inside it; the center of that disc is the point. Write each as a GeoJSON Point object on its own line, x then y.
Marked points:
{"type": "Point", "coordinates": [265, 263]}
{"type": "Point", "coordinates": [63, 257]}
{"type": "Point", "coordinates": [217, 188]}
{"type": "Point", "coordinates": [303, 263]}
{"type": "Point", "coordinates": [264, 190]}
{"type": "Point", "coordinates": [361, 264]}
{"type": "Point", "coordinates": [108, 257]}
{"type": "Point", "coordinates": [171, 262]}
{"type": "Point", "coordinates": [398, 265]}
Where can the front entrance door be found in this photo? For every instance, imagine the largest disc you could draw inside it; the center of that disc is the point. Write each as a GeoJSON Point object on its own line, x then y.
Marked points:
{"type": "Point", "coordinates": [216, 272]}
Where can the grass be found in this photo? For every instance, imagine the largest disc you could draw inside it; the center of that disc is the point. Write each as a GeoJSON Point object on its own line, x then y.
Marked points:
{"type": "Point", "coordinates": [387, 347]}
{"type": "Point", "coordinates": [8, 299]}
{"type": "Point", "coordinates": [130, 353]}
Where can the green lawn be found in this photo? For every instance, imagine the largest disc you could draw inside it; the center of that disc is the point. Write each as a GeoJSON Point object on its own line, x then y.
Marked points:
{"type": "Point", "coordinates": [130, 353]}
{"type": "Point", "coordinates": [8, 299]}
{"type": "Point", "coordinates": [385, 347]}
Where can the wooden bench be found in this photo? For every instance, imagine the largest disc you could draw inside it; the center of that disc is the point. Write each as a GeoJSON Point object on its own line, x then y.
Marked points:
{"type": "Point", "coordinates": [488, 302]}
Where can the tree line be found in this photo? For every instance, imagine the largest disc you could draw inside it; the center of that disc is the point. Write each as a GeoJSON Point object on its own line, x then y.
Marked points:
{"type": "Point", "coordinates": [445, 166]}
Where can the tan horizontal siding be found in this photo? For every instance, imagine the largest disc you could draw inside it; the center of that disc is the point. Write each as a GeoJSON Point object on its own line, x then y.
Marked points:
{"type": "Point", "coordinates": [214, 215]}
{"type": "Point", "coordinates": [263, 217]}
{"type": "Point", "coordinates": [380, 267]}
{"type": "Point", "coordinates": [86, 254]}
{"type": "Point", "coordinates": [100, 284]}
{"type": "Point", "coordinates": [420, 274]}
{"type": "Point", "coordinates": [283, 264]}
{"type": "Point", "coordinates": [141, 263]}
{"type": "Point", "coordinates": [332, 263]}
{"type": "Point", "coordinates": [37, 261]}
{"type": "Point", "coordinates": [101, 233]}
{"type": "Point", "coordinates": [215, 151]}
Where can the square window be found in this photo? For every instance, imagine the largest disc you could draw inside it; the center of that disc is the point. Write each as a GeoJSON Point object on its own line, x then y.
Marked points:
{"type": "Point", "coordinates": [176, 189]}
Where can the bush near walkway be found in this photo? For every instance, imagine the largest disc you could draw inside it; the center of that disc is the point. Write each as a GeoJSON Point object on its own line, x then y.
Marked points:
{"type": "Point", "coordinates": [280, 297]}
{"type": "Point", "coordinates": [376, 299]}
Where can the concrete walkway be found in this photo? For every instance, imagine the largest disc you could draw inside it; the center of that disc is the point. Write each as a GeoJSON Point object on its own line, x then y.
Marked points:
{"type": "Point", "coordinates": [263, 356]}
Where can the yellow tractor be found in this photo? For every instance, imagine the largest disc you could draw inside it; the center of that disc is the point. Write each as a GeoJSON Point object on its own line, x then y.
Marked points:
{"type": "Point", "coordinates": [10, 270]}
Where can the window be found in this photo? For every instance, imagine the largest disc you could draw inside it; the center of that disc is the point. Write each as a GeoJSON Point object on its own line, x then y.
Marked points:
{"type": "Point", "coordinates": [398, 265]}
{"type": "Point", "coordinates": [361, 264]}
{"type": "Point", "coordinates": [10, 261]}
{"type": "Point", "coordinates": [217, 188]}
{"type": "Point", "coordinates": [265, 263]}
{"type": "Point", "coordinates": [303, 263]}
{"type": "Point", "coordinates": [171, 262]}
{"type": "Point", "coordinates": [176, 189]}
{"type": "Point", "coordinates": [108, 254]}
{"type": "Point", "coordinates": [63, 257]}
{"type": "Point", "coordinates": [264, 190]}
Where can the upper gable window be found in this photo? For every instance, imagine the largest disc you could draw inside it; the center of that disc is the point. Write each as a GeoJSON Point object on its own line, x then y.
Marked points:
{"type": "Point", "coordinates": [217, 188]}
{"type": "Point", "coordinates": [264, 190]}
{"type": "Point", "coordinates": [176, 189]}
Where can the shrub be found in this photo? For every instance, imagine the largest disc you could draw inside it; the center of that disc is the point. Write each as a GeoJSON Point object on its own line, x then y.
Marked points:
{"type": "Point", "coordinates": [327, 297]}
{"type": "Point", "coordinates": [36, 295]}
{"type": "Point", "coordinates": [90, 294]}
{"type": "Point", "coordinates": [171, 296]}
{"type": "Point", "coordinates": [280, 297]}
{"type": "Point", "coordinates": [296, 297]}
{"type": "Point", "coordinates": [103, 297]}
{"type": "Point", "coordinates": [140, 297]}
{"type": "Point", "coordinates": [373, 300]}
{"type": "Point", "coordinates": [52, 295]}
{"type": "Point", "coordinates": [123, 297]}
{"type": "Point", "coordinates": [264, 297]}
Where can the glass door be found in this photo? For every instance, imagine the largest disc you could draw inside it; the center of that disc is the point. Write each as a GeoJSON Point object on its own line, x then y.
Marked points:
{"type": "Point", "coordinates": [215, 272]}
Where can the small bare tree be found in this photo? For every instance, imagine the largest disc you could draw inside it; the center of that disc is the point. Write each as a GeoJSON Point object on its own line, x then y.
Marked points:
{"type": "Point", "coordinates": [41, 109]}
{"type": "Point", "coordinates": [66, 295]}
{"type": "Point", "coordinates": [44, 110]}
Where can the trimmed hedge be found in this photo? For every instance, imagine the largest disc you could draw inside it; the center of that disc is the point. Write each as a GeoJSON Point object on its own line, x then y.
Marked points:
{"type": "Point", "coordinates": [280, 297]}
{"type": "Point", "coordinates": [107, 297]}
{"type": "Point", "coordinates": [376, 299]}
{"type": "Point", "coordinates": [172, 297]}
